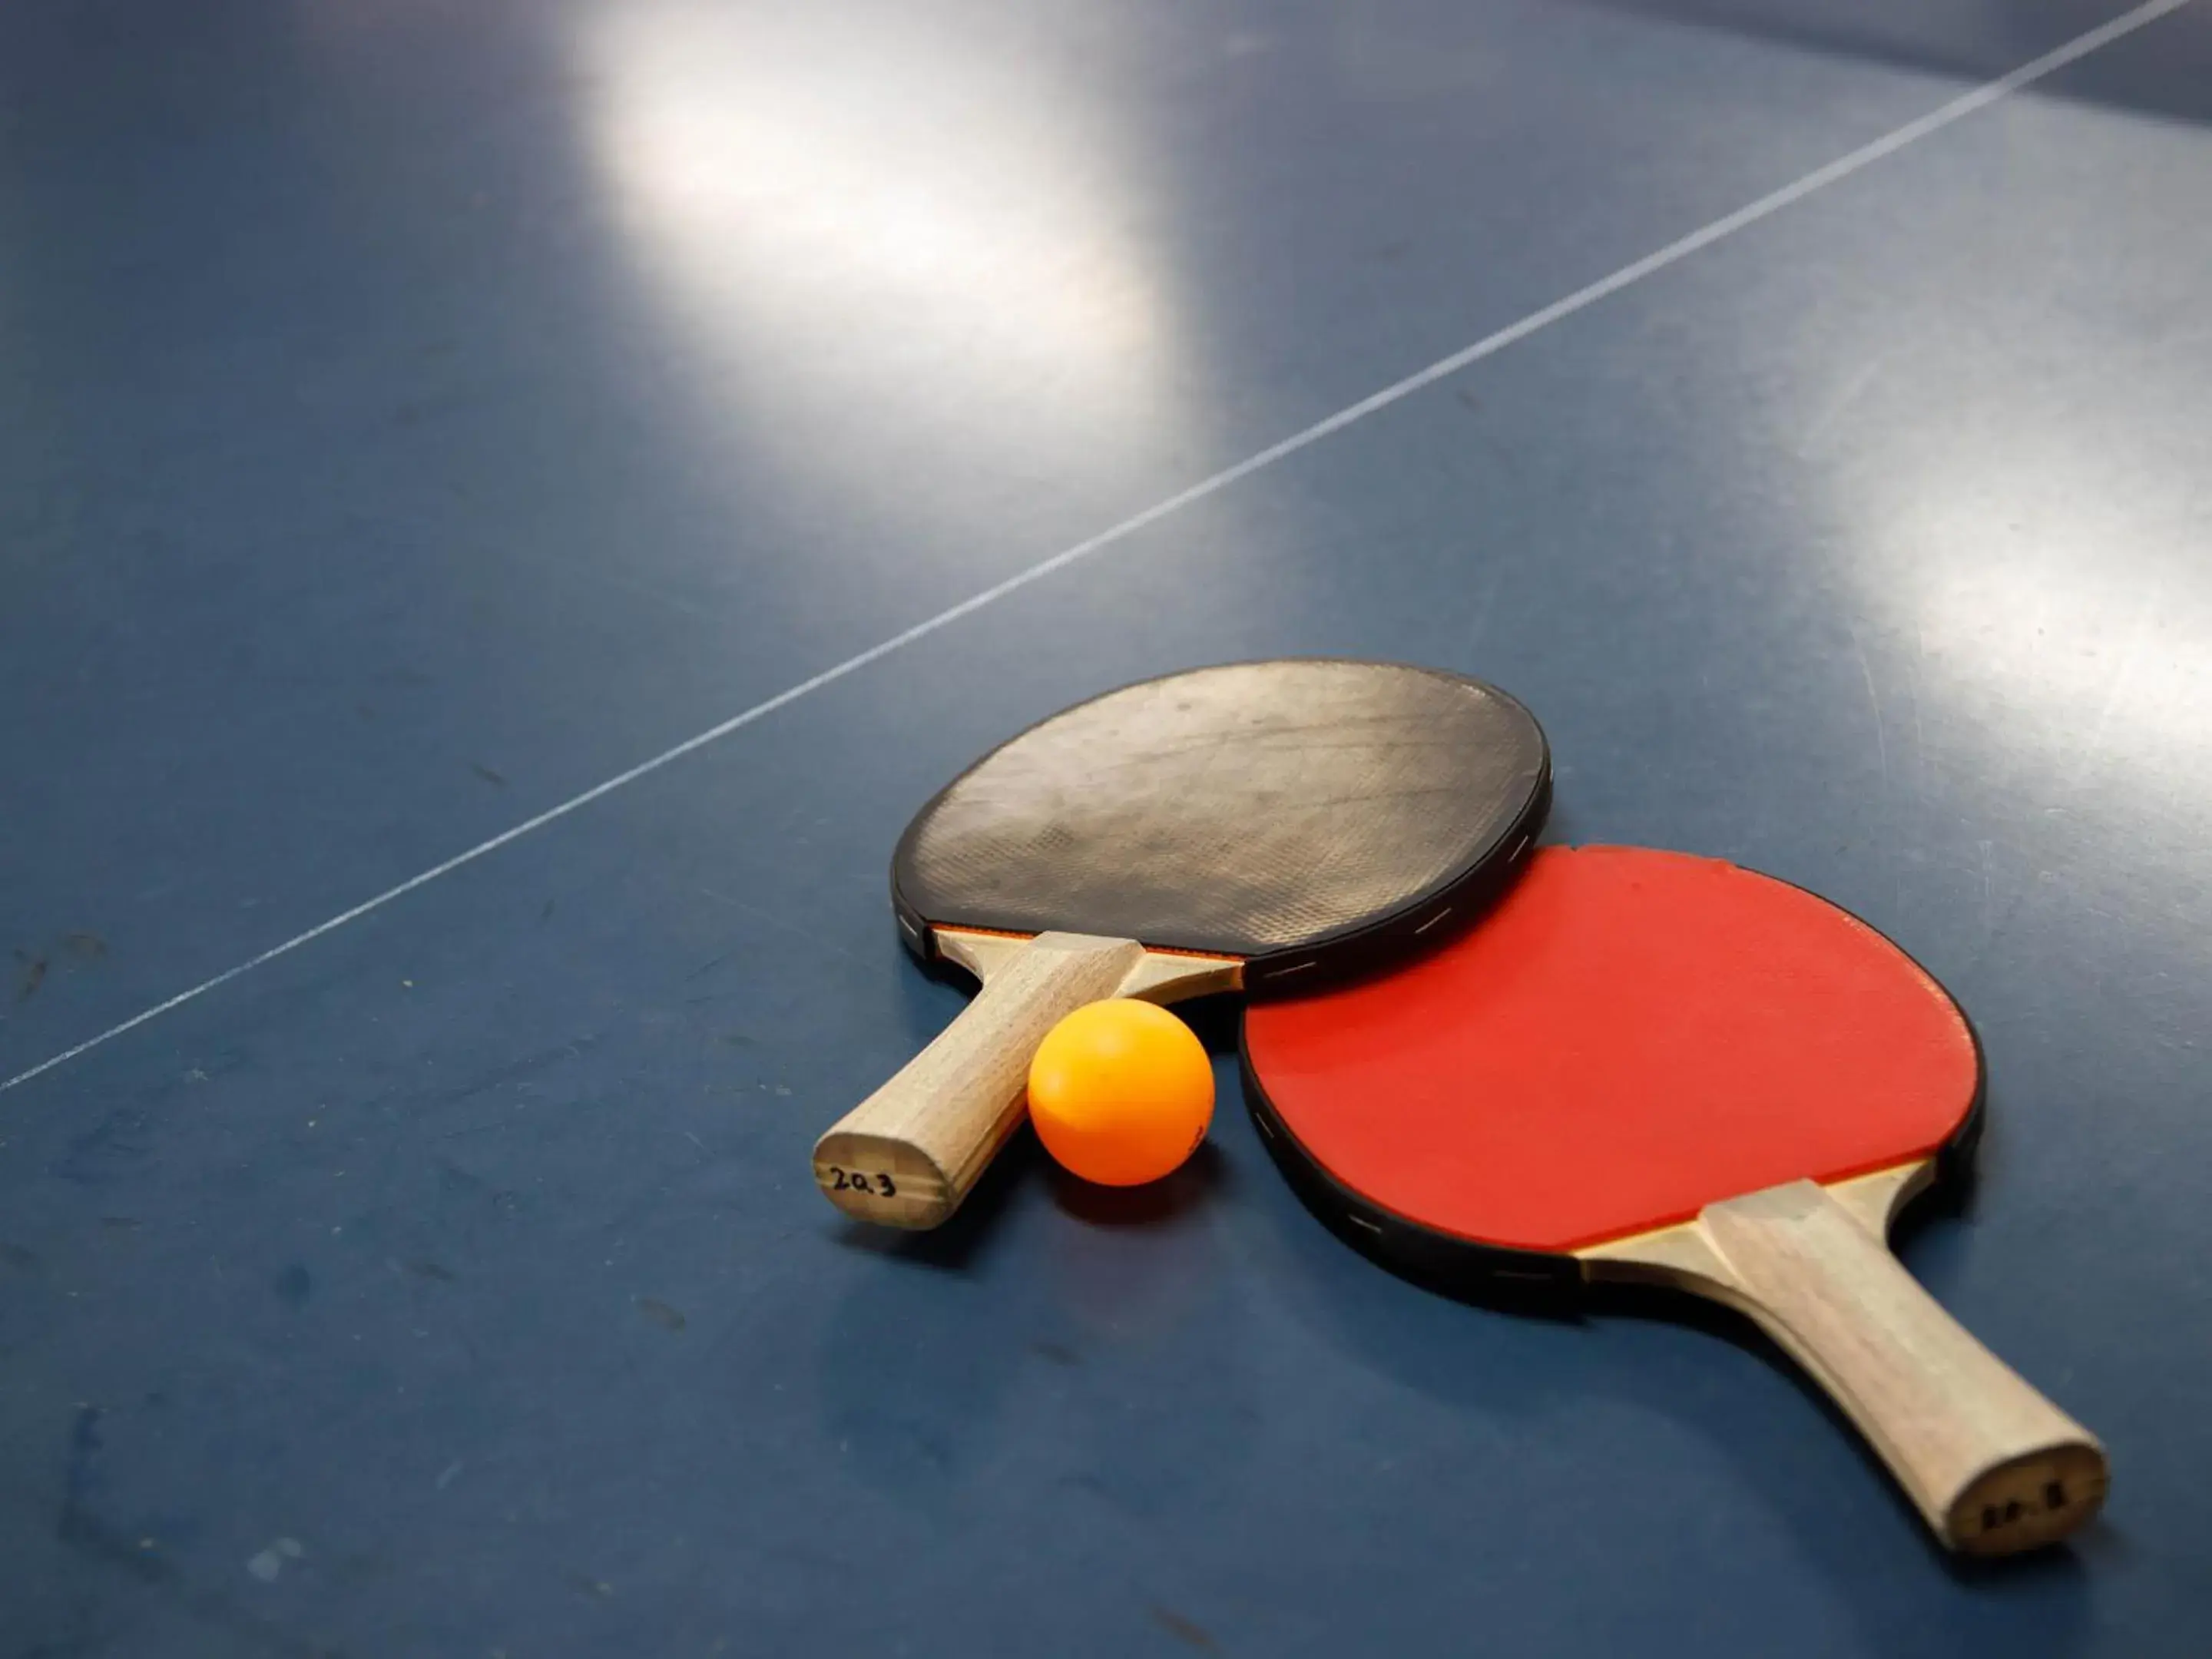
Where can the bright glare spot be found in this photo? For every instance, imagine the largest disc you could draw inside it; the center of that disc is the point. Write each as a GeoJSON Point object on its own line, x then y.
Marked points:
{"type": "Point", "coordinates": [2062, 613]}
{"type": "Point", "coordinates": [911, 192]}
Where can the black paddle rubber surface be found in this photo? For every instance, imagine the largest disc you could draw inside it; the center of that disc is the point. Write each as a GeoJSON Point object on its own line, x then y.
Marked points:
{"type": "Point", "coordinates": [1317, 817]}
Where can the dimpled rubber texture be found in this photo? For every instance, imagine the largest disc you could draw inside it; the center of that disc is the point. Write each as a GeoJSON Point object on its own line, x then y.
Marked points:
{"type": "Point", "coordinates": [1629, 1036]}
{"type": "Point", "coordinates": [1301, 814]}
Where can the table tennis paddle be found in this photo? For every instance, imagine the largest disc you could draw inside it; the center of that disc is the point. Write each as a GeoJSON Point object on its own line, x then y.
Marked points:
{"type": "Point", "coordinates": [1251, 826]}
{"type": "Point", "coordinates": [1651, 1067]}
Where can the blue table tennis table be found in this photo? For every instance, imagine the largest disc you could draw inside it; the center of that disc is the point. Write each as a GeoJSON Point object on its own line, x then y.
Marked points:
{"type": "Point", "coordinates": [505, 510]}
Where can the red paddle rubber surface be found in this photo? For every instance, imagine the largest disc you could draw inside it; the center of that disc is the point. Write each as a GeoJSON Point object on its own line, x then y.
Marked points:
{"type": "Point", "coordinates": [1629, 1036]}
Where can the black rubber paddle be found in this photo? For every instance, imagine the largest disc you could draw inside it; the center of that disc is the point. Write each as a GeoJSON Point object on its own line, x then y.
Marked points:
{"type": "Point", "coordinates": [1259, 826]}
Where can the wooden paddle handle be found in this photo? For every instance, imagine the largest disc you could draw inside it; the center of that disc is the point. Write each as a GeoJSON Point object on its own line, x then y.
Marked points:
{"type": "Point", "coordinates": [1991, 1464]}
{"type": "Point", "coordinates": [907, 1154]}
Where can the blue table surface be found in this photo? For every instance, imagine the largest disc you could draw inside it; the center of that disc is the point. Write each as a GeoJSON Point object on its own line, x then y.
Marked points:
{"type": "Point", "coordinates": [416, 415]}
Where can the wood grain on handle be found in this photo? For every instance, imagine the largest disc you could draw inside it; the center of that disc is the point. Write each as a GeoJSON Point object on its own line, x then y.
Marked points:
{"type": "Point", "coordinates": [1992, 1466]}
{"type": "Point", "coordinates": [909, 1154]}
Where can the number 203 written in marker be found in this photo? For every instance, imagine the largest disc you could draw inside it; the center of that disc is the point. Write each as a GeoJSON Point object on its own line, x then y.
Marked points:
{"type": "Point", "coordinates": [860, 1181]}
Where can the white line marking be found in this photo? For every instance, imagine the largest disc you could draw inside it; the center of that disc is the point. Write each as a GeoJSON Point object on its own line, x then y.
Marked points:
{"type": "Point", "coordinates": [1581, 300]}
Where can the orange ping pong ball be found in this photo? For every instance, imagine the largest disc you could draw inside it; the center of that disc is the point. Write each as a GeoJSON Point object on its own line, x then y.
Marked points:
{"type": "Point", "coordinates": [1121, 1092]}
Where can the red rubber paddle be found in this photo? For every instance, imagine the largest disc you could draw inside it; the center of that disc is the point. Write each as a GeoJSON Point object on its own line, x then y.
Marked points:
{"type": "Point", "coordinates": [1649, 1066]}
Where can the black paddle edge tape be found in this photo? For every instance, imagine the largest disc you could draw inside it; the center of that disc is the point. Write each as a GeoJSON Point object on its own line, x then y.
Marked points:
{"type": "Point", "coordinates": [1416, 929]}
{"type": "Point", "coordinates": [1357, 951]}
{"type": "Point", "coordinates": [1499, 1275]}
{"type": "Point", "coordinates": [1460, 1268]}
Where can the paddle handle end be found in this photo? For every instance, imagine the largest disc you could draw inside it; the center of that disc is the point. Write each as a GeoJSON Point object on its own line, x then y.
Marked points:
{"type": "Point", "coordinates": [909, 1154]}
{"type": "Point", "coordinates": [1993, 1467]}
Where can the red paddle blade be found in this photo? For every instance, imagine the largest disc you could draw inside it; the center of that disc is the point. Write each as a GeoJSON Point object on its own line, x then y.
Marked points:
{"type": "Point", "coordinates": [1629, 1036]}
